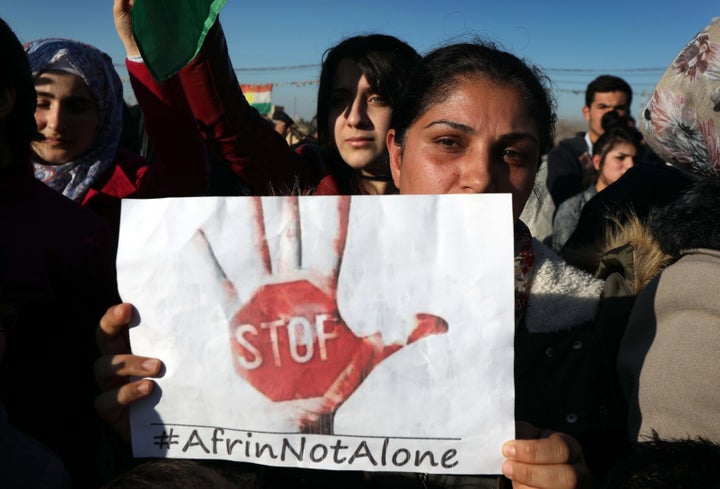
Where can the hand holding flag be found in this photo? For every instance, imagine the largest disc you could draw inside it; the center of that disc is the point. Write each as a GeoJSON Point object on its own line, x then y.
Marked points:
{"type": "Point", "coordinates": [169, 33]}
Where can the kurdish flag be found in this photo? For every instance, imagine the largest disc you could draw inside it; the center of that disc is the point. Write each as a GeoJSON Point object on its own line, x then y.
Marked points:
{"type": "Point", "coordinates": [170, 33]}
{"type": "Point", "coordinates": [259, 97]}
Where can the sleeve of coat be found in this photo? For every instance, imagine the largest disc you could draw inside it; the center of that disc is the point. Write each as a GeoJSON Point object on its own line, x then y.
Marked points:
{"type": "Point", "coordinates": [180, 166]}
{"type": "Point", "coordinates": [234, 131]}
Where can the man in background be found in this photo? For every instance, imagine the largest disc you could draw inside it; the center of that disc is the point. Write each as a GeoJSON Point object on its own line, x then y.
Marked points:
{"type": "Point", "coordinates": [570, 168]}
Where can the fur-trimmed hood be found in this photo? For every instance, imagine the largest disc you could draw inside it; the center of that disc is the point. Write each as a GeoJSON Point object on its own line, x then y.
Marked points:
{"type": "Point", "coordinates": [645, 257]}
{"type": "Point", "coordinates": [639, 248]}
{"type": "Point", "coordinates": [561, 296]}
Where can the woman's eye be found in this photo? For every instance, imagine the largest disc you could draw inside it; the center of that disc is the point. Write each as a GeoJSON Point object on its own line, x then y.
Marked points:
{"type": "Point", "coordinates": [448, 143]}
{"type": "Point", "coordinates": [376, 99]}
{"type": "Point", "coordinates": [43, 104]}
{"type": "Point", "coordinates": [514, 157]}
{"type": "Point", "coordinates": [338, 101]}
{"type": "Point", "coordinates": [81, 106]}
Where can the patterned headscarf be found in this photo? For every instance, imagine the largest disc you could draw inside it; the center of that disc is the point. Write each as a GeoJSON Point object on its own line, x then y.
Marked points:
{"type": "Point", "coordinates": [681, 122]}
{"type": "Point", "coordinates": [95, 68]}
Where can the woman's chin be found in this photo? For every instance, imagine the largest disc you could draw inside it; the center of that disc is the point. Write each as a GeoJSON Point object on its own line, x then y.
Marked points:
{"type": "Point", "coordinates": [54, 157]}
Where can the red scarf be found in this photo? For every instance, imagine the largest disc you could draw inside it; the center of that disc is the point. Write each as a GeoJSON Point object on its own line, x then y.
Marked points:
{"type": "Point", "coordinates": [524, 259]}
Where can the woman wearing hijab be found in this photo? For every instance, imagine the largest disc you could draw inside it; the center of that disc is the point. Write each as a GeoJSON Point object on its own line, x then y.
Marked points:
{"type": "Point", "coordinates": [669, 355]}
{"type": "Point", "coordinates": [79, 115]}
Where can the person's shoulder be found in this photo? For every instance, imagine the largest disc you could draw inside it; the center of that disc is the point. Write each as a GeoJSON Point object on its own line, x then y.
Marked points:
{"type": "Point", "coordinates": [695, 271]}
{"type": "Point", "coordinates": [53, 205]}
{"type": "Point", "coordinates": [130, 161]}
{"type": "Point", "coordinates": [570, 204]}
{"type": "Point", "coordinates": [567, 151]}
{"type": "Point", "coordinates": [575, 143]}
{"type": "Point", "coordinates": [123, 177]}
{"type": "Point", "coordinates": [44, 219]}
{"type": "Point", "coordinates": [578, 137]}
{"type": "Point", "coordinates": [569, 210]}
{"type": "Point", "coordinates": [328, 185]}
{"type": "Point", "coordinates": [309, 151]}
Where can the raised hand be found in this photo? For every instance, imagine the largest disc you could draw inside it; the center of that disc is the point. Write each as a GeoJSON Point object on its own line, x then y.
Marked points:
{"type": "Point", "coordinates": [124, 25]}
{"type": "Point", "coordinates": [288, 339]}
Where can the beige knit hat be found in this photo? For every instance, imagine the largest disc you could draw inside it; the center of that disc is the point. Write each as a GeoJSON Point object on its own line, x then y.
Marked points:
{"type": "Point", "coordinates": [681, 122]}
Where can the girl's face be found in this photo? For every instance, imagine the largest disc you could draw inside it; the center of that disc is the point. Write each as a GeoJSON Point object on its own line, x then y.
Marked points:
{"type": "Point", "coordinates": [617, 161]}
{"type": "Point", "coordinates": [478, 140]}
{"type": "Point", "coordinates": [66, 115]}
{"type": "Point", "coordinates": [359, 118]}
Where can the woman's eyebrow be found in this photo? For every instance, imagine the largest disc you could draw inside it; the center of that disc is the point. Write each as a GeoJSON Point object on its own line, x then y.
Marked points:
{"type": "Point", "coordinates": [71, 97]}
{"type": "Point", "coordinates": [455, 125]}
{"type": "Point", "coordinates": [511, 136]}
{"type": "Point", "coordinates": [515, 136]}
{"type": "Point", "coordinates": [340, 90]}
{"type": "Point", "coordinates": [40, 93]}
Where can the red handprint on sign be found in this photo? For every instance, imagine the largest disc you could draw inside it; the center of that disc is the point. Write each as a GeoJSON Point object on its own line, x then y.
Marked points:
{"type": "Point", "coordinates": [289, 340]}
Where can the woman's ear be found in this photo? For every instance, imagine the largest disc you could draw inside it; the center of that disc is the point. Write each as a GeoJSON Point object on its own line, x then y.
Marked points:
{"type": "Point", "coordinates": [395, 155]}
{"type": "Point", "coordinates": [7, 101]}
{"type": "Point", "coordinates": [597, 160]}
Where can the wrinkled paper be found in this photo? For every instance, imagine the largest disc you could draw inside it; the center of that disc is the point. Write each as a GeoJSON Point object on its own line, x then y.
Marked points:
{"type": "Point", "coordinates": [345, 333]}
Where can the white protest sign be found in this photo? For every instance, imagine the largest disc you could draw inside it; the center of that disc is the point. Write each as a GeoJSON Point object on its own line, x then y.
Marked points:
{"type": "Point", "coordinates": [346, 333]}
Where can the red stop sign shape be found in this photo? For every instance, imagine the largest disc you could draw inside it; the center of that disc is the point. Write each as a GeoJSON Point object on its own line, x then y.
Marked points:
{"type": "Point", "coordinates": [289, 341]}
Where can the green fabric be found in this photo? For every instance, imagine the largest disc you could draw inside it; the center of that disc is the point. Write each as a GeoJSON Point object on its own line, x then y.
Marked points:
{"type": "Point", "coordinates": [620, 260]}
{"type": "Point", "coordinates": [263, 108]}
{"type": "Point", "coordinates": [170, 33]}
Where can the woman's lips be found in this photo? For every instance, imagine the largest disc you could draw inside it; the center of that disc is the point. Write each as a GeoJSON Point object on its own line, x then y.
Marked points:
{"type": "Point", "coordinates": [55, 141]}
{"type": "Point", "coordinates": [359, 142]}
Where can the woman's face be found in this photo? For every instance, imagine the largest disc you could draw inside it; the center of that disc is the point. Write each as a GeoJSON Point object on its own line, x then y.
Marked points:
{"type": "Point", "coordinates": [359, 118]}
{"type": "Point", "coordinates": [617, 161]}
{"type": "Point", "coordinates": [478, 140]}
{"type": "Point", "coordinates": [66, 115]}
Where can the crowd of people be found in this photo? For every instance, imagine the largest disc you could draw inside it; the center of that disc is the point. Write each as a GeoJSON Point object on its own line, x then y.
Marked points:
{"type": "Point", "coordinates": [617, 322]}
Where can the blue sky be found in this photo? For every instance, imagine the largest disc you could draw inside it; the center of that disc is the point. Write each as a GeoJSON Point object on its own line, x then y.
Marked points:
{"type": "Point", "coordinates": [618, 37]}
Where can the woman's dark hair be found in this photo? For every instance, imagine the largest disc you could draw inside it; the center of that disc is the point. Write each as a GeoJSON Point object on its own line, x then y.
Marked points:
{"type": "Point", "coordinates": [613, 118]}
{"type": "Point", "coordinates": [614, 135]}
{"type": "Point", "coordinates": [440, 71]}
{"type": "Point", "coordinates": [385, 61]}
{"type": "Point", "coordinates": [181, 474]}
{"type": "Point", "coordinates": [19, 125]}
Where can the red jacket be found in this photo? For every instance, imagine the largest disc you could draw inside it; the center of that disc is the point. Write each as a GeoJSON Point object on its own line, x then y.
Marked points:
{"type": "Point", "coordinates": [180, 168]}
{"type": "Point", "coordinates": [240, 136]}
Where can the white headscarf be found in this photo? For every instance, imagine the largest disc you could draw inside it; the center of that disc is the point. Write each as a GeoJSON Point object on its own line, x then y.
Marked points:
{"type": "Point", "coordinates": [95, 68]}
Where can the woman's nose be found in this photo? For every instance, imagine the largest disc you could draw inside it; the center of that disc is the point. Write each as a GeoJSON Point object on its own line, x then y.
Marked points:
{"type": "Point", "coordinates": [357, 115]}
{"type": "Point", "coordinates": [53, 117]}
{"type": "Point", "coordinates": [476, 176]}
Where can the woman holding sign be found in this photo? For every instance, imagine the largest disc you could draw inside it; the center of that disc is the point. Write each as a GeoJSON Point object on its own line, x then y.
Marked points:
{"type": "Point", "coordinates": [475, 119]}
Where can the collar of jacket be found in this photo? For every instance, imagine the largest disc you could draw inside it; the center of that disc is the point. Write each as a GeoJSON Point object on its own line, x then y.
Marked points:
{"type": "Point", "coordinates": [561, 296]}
